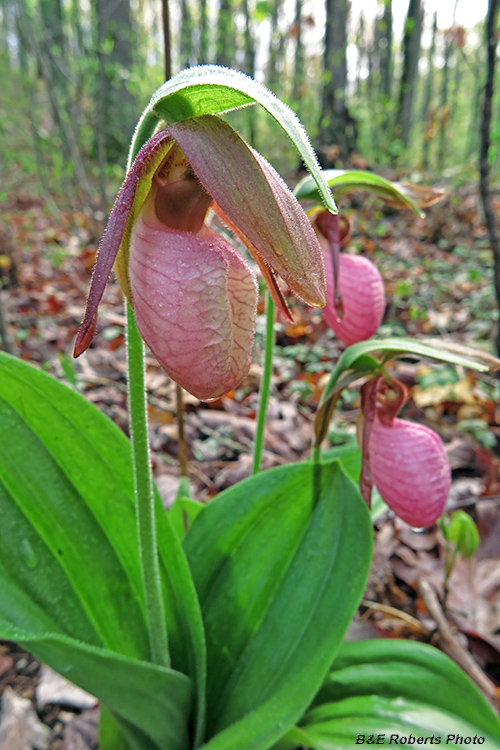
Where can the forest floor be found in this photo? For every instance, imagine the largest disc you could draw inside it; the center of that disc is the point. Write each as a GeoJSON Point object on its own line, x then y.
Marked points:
{"type": "Point", "coordinates": [438, 279]}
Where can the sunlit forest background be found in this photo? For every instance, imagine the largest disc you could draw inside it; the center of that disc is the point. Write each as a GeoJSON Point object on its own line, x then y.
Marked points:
{"type": "Point", "coordinates": [375, 87]}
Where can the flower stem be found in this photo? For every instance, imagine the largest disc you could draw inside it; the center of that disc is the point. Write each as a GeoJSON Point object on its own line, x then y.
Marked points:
{"type": "Point", "coordinates": [265, 385]}
{"type": "Point", "coordinates": [145, 516]}
{"type": "Point", "coordinates": [181, 438]}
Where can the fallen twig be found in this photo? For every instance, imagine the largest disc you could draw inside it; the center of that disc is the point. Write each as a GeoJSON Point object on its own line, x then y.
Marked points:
{"type": "Point", "coordinates": [451, 646]}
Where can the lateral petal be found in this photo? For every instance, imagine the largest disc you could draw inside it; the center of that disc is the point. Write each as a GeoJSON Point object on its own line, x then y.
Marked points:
{"type": "Point", "coordinates": [133, 192]}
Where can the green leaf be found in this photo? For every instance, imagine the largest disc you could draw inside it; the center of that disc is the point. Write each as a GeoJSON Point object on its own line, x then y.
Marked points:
{"type": "Point", "coordinates": [463, 532]}
{"type": "Point", "coordinates": [150, 703]}
{"type": "Point", "coordinates": [69, 562]}
{"type": "Point", "coordinates": [349, 456]}
{"type": "Point", "coordinates": [395, 687]}
{"type": "Point", "coordinates": [211, 89]}
{"type": "Point", "coordinates": [182, 514]}
{"type": "Point", "coordinates": [354, 358]}
{"type": "Point", "coordinates": [343, 181]}
{"type": "Point", "coordinates": [268, 558]}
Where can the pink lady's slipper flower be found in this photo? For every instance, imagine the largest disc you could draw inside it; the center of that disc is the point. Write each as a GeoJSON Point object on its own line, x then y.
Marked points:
{"type": "Point", "coordinates": [410, 470]}
{"type": "Point", "coordinates": [193, 296]}
{"type": "Point", "coordinates": [355, 296]}
{"type": "Point", "coordinates": [406, 461]}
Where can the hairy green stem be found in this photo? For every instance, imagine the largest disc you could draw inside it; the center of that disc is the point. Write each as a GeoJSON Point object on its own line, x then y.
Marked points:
{"type": "Point", "coordinates": [145, 514]}
{"type": "Point", "coordinates": [265, 385]}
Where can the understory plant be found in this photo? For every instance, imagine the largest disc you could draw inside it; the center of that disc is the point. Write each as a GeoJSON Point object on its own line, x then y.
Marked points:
{"type": "Point", "coordinates": [221, 626]}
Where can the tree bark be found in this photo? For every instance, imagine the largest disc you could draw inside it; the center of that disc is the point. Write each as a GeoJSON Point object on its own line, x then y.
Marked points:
{"type": "Point", "coordinates": [298, 68]}
{"type": "Point", "coordinates": [274, 41]}
{"type": "Point", "coordinates": [484, 167]}
{"type": "Point", "coordinates": [429, 87]}
{"type": "Point", "coordinates": [203, 52]}
{"type": "Point", "coordinates": [114, 17]}
{"type": "Point", "coordinates": [338, 131]}
{"type": "Point", "coordinates": [166, 39]}
{"type": "Point", "coordinates": [226, 33]}
{"type": "Point", "coordinates": [386, 51]}
{"type": "Point", "coordinates": [186, 39]}
{"type": "Point", "coordinates": [411, 54]}
{"type": "Point", "coordinates": [444, 109]}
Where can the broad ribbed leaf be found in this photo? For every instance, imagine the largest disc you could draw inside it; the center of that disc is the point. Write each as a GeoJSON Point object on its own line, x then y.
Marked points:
{"type": "Point", "coordinates": [150, 703]}
{"type": "Point", "coordinates": [269, 560]}
{"type": "Point", "coordinates": [395, 687]}
{"type": "Point", "coordinates": [210, 89]}
{"type": "Point", "coordinates": [349, 456]}
{"type": "Point", "coordinates": [343, 181]}
{"type": "Point", "coordinates": [69, 562]}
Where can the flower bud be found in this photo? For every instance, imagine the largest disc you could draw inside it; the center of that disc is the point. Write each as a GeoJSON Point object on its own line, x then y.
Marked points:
{"type": "Point", "coordinates": [410, 469]}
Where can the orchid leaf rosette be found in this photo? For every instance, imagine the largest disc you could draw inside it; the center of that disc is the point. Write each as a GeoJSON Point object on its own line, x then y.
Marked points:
{"type": "Point", "coordinates": [193, 295]}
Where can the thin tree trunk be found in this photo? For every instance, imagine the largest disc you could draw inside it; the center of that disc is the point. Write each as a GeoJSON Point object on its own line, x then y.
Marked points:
{"type": "Point", "coordinates": [166, 39]}
{"type": "Point", "coordinates": [429, 87]}
{"type": "Point", "coordinates": [484, 167]}
{"type": "Point", "coordinates": [273, 44]}
{"type": "Point", "coordinates": [298, 69]}
{"type": "Point", "coordinates": [186, 50]}
{"type": "Point", "coordinates": [411, 46]}
{"type": "Point", "coordinates": [337, 127]}
{"type": "Point", "coordinates": [444, 110]}
{"type": "Point", "coordinates": [386, 52]}
{"type": "Point", "coordinates": [361, 47]}
{"type": "Point", "coordinates": [226, 34]}
{"type": "Point", "coordinates": [64, 125]}
{"type": "Point", "coordinates": [473, 129]}
{"type": "Point", "coordinates": [203, 56]}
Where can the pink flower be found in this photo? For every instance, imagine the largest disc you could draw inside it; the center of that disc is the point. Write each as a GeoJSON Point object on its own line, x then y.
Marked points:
{"type": "Point", "coordinates": [363, 297]}
{"type": "Point", "coordinates": [355, 295]}
{"type": "Point", "coordinates": [410, 469]}
{"type": "Point", "coordinates": [194, 297]}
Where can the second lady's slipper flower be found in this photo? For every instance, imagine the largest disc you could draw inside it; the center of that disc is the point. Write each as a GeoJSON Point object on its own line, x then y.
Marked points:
{"type": "Point", "coordinates": [406, 461]}
{"type": "Point", "coordinates": [194, 297]}
{"type": "Point", "coordinates": [355, 295]}
{"type": "Point", "coordinates": [410, 469]}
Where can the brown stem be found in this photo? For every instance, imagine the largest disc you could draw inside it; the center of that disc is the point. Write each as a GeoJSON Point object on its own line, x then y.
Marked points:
{"type": "Point", "coordinates": [183, 463]}
{"type": "Point", "coordinates": [368, 408]}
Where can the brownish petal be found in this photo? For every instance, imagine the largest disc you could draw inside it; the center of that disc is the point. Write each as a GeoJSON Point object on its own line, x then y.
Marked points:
{"type": "Point", "coordinates": [257, 201]}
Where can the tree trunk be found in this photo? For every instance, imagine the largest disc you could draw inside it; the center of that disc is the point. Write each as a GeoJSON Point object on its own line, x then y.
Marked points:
{"type": "Point", "coordinates": [274, 41]}
{"type": "Point", "coordinates": [484, 167]}
{"type": "Point", "coordinates": [186, 39]}
{"type": "Point", "coordinates": [114, 18]}
{"type": "Point", "coordinates": [203, 55]}
{"type": "Point", "coordinates": [226, 33]}
{"type": "Point", "coordinates": [337, 128]}
{"type": "Point", "coordinates": [298, 68]}
{"type": "Point", "coordinates": [444, 109]}
{"type": "Point", "coordinates": [386, 51]}
{"type": "Point", "coordinates": [167, 49]}
{"type": "Point", "coordinates": [411, 54]}
{"type": "Point", "coordinates": [427, 114]}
